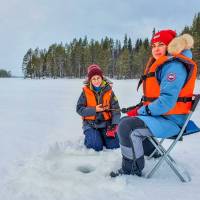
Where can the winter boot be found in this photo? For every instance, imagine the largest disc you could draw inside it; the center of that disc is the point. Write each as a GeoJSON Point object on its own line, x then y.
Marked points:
{"type": "Point", "coordinates": [138, 166]}
{"type": "Point", "coordinates": [127, 165]}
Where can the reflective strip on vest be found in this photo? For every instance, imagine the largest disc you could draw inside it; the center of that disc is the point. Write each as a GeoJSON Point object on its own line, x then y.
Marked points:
{"type": "Point", "coordinates": [91, 102]}
{"type": "Point", "coordinates": [186, 92]}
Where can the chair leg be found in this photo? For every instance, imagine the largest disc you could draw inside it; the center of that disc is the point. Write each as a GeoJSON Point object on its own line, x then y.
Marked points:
{"type": "Point", "coordinates": [163, 149]}
{"type": "Point", "coordinates": [151, 155]}
{"type": "Point", "coordinates": [169, 160]}
{"type": "Point", "coordinates": [156, 166]}
{"type": "Point", "coordinates": [165, 153]}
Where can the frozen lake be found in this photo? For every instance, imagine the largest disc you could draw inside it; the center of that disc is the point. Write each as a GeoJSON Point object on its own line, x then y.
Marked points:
{"type": "Point", "coordinates": [41, 147]}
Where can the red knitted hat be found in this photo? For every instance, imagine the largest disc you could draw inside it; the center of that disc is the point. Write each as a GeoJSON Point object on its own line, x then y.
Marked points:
{"type": "Point", "coordinates": [164, 36]}
{"type": "Point", "coordinates": [94, 70]}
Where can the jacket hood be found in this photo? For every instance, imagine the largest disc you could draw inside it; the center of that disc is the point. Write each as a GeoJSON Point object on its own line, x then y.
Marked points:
{"type": "Point", "coordinates": [181, 43]}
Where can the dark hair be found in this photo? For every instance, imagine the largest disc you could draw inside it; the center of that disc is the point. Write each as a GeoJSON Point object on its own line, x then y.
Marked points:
{"type": "Point", "coordinates": [150, 62]}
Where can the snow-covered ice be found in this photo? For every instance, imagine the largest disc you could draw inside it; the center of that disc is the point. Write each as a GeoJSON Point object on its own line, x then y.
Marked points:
{"type": "Point", "coordinates": [43, 156]}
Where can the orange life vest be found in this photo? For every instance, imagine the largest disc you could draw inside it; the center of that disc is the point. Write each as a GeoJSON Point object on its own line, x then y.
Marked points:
{"type": "Point", "coordinates": [92, 102]}
{"type": "Point", "coordinates": [151, 86]}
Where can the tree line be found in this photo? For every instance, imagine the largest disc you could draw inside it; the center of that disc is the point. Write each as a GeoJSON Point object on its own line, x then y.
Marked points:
{"type": "Point", "coordinates": [118, 59]}
{"type": "Point", "coordinates": [5, 74]}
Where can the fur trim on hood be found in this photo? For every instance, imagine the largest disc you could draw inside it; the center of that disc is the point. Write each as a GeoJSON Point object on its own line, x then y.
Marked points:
{"type": "Point", "coordinates": [178, 44]}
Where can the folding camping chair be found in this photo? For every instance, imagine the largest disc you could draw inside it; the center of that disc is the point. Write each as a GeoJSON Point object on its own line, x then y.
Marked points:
{"type": "Point", "coordinates": [165, 152]}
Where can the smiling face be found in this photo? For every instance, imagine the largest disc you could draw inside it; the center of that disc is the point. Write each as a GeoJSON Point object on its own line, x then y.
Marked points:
{"type": "Point", "coordinates": [96, 80]}
{"type": "Point", "coordinates": [158, 49]}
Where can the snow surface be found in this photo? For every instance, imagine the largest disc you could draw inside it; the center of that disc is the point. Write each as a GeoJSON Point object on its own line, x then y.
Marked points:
{"type": "Point", "coordinates": [42, 152]}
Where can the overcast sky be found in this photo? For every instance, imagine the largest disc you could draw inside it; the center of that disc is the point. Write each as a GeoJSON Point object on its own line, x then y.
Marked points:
{"type": "Point", "coordinates": [28, 24]}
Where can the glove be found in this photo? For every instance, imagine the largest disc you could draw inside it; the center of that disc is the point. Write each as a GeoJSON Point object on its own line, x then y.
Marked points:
{"type": "Point", "coordinates": [111, 130]}
{"type": "Point", "coordinates": [133, 112]}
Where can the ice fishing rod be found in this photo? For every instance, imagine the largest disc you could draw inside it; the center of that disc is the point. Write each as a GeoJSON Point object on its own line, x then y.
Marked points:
{"type": "Point", "coordinates": [122, 110]}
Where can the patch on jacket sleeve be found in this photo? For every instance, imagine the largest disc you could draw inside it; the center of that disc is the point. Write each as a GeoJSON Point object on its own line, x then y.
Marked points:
{"type": "Point", "coordinates": [171, 76]}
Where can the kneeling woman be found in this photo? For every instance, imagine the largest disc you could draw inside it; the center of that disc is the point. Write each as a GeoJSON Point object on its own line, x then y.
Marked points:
{"type": "Point", "coordinates": [100, 111]}
{"type": "Point", "coordinates": [168, 84]}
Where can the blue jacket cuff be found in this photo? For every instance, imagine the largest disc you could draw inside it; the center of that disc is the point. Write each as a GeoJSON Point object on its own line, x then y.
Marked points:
{"type": "Point", "coordinates": [142, 111]}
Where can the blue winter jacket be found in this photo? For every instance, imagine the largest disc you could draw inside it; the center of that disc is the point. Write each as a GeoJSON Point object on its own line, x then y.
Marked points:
{"type": "Point", "coordinates": [166, 126]}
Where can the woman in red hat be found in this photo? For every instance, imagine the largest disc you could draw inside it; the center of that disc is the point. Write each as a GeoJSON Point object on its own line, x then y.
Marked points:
{"type": "Point", "coordinates": [168, 84]}
{"type": "Point", "coordinates": [100, 111]}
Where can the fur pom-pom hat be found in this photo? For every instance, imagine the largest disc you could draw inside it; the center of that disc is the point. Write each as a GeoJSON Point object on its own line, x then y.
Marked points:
{"type": "Point", "coordinates": [180, 43]}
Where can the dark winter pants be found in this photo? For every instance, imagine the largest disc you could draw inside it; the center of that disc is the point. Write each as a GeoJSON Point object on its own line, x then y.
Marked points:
{"type": "Point", "coordinates": [132, 131]}
{"type": "Point", "coordinates": [96, 139]}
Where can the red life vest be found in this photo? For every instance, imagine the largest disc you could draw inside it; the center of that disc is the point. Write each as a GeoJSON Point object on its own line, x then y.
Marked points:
{"type": "Point", "coordinates": [91, 102]}
{"type": "Point", "coordinates": [151, 86]}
